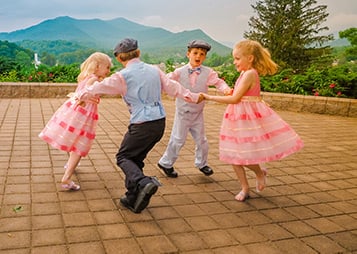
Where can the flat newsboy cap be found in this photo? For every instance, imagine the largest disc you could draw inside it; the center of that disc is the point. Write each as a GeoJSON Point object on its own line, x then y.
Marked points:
{"type": "Point", "coordinates": [125, 45]}
{"type": "Point", "coordinates": [199, 44]}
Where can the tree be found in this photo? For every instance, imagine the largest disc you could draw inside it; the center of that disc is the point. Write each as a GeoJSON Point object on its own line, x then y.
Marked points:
{"type": "Point", "coordinates": [215, 60]}
{"type": "Point", "coordinates": [23, 59]}
{"type": "Point", "coordinates": [6, 64]}
{"type": "Point", "coordinates": [351, 35]}
{"type": "Point", "coordinates": [48, 59]}
{"type": "Point", "coordinates": [291, 30]}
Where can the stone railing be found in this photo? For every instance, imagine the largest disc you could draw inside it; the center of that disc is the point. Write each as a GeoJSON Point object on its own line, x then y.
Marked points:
{"type": "Point", "coordinates": [312, 104]}
{"type": "Point", "coordinates": [35, 90]}
{"type": "Point", "coordinates": [278, 101]}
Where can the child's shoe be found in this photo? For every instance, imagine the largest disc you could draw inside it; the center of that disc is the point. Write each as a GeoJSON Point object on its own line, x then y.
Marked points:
{"type": "Point", "coordinates": [71, 186]}
{"type": "Point", "coordinates": [242, 196]}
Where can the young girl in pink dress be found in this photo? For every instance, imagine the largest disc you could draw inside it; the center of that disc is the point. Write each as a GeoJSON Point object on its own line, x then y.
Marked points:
{"type": "Point", "coordinates": [72, 127]}
{"type": "Point", "coordinates": [251, 132]}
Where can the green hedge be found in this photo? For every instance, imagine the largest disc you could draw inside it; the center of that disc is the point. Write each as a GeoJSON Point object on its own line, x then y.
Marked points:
{"type": "Point", "coordinates": [334, 81]}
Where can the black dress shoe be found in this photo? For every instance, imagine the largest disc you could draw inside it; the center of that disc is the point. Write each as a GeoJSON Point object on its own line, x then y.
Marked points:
{"type": "Point", "coordinates": [143, 199]}
{"type": "Point", "coordinates": [170, 172]}
{"type": "Point", "coordinates": [125, 202]}
{"type": "Point", "coordinates": [206, 170]}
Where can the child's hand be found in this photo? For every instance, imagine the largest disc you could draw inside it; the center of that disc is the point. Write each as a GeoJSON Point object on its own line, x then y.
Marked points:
{"type": "Point", "coordinates": [193, 98]}
{"type": "Point", "coordinates": [83, 103]}
{"type": "Point", "coordinates": [201, 97]}
{"type": "Point", "coordinates": [80, 103]}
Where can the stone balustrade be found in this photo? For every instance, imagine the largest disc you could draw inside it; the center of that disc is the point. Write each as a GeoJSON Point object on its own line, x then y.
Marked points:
{"type": "Point", "coordinates": [278, 101]}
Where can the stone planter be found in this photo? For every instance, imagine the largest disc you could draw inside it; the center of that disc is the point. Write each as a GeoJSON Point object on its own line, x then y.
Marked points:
{"type": "Point", "coordinates": [278, 101]}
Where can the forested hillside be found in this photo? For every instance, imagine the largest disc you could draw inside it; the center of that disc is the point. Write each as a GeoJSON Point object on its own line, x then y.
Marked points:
{"type": "Point", "coordinates": [103, 35]}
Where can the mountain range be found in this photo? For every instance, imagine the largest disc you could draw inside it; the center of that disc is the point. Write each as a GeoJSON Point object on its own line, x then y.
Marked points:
{"type": "Point", "coordinates": [104, 35]}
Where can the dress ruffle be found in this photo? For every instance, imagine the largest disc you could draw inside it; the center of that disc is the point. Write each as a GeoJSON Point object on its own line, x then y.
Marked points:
{"type": "Point", "coordinates": [72, 127]}
{"type": "Point", "coordinates": [252, 133]}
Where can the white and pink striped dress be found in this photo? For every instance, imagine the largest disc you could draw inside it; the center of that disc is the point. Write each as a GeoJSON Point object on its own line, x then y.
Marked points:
{"type": "Point", "coordinates": [72, 127]}
{"type": "Point", "coordinates": [252, 133]}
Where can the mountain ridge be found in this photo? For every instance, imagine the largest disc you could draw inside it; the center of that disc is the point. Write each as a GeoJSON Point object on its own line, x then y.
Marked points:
{"type": "Point", "coordinates": [104, 34]}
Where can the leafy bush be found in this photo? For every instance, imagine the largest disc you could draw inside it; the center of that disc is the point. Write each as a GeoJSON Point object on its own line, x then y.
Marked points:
{"type": "Point", "coordinates": [44, 73]}
{"type": "Point", "coordinates": [336, 81]}
{"type": "Point", "coordinates": [332, 81]}
{"type": "Point", "coordinates": [228, 73]}
{"type": "Point", "coordinates": [10, 76]}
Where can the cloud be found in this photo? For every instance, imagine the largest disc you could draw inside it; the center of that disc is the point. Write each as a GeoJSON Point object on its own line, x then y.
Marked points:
{"type": "Point", "coordinates": [341, 21]}
{"type": "Point", "coordinates": [156, 21]}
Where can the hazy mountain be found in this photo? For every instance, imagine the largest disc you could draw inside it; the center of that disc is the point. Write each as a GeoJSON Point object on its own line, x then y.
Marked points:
{"type": "Point", "coordinates": [104, 35]}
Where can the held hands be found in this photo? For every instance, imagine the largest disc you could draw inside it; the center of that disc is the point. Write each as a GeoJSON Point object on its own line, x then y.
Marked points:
{"type": "Point", "coordinates": [194, 98]}
{"type": "Point", "coordinates": [78, 101]}
{"type": "Point", "coordinates": [81, 100]}
{"type": "Point", "coordinates": [202, 97]}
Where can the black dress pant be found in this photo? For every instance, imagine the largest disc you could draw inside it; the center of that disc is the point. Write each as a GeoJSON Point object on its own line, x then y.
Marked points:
{"type": "Point", "coordinates": [136, 144]}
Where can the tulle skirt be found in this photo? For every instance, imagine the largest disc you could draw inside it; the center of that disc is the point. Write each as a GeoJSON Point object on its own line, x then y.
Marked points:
{"type": "Point", "coordinates": [72, 127]}
{"type": "Point", "coordinates": [252, 133]}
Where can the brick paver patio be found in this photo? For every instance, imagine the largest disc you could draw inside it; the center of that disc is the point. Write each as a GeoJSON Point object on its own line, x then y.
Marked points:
{"type": "Point", "coordinates": [309, 206]}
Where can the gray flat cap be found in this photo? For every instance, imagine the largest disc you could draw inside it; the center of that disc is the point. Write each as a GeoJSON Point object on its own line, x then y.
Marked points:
{"type": "Point", "coordinates": [199, 44]}
{"type": "Point", "coordinates": [126, 45]}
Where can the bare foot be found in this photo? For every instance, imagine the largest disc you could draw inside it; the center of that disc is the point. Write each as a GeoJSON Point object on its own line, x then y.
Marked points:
{"type": "Point", "coordinates": [261, 181]}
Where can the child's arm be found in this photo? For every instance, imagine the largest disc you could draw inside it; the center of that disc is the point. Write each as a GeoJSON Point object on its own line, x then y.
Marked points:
{"type": "Point", "coordinates": [175, 89]}
{"type": "Point", "coordinates": [219, 83]}
{"type": "Point", "coordinates": [246, 82]}
{"type": "Point", "coordinates": [82, 102]}
{"type": "Point", "coordinates": [174, 75]}
{"type": "Point", "coordinates": [115, 84]}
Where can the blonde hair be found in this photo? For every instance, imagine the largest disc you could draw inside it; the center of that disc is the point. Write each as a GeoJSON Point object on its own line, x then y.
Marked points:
{"type": "Point", "coordinates": [262, 60]}
{"type": "Point", "coordinates": [90, 65]}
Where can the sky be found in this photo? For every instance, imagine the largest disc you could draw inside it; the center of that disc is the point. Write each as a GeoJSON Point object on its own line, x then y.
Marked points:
{"type": "Point", "coordinates": [223, 20]}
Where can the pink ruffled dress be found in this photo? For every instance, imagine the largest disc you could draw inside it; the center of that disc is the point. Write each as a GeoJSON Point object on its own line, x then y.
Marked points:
{"type": "Point", "coordinates": [252, 133]}
{"type": "Point", "coordinates": [72, 127]}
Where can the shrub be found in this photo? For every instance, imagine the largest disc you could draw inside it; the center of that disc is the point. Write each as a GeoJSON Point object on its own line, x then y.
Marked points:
{"type": "Point", "coordinates": [336, 81]}
{"type": "Point", "coordinates": [333, 81]}
{"type": "Point", "coordinates": [10, 76]}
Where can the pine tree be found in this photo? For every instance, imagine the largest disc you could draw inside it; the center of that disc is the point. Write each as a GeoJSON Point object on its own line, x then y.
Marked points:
{"type": "Point", "coordinates": [291, 30]}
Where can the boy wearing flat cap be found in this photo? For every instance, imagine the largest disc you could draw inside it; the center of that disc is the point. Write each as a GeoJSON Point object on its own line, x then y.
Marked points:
{"type": "Point", "coordinates": [140, 85]}
{"type": "Point", "coordinates": [189, 117]}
